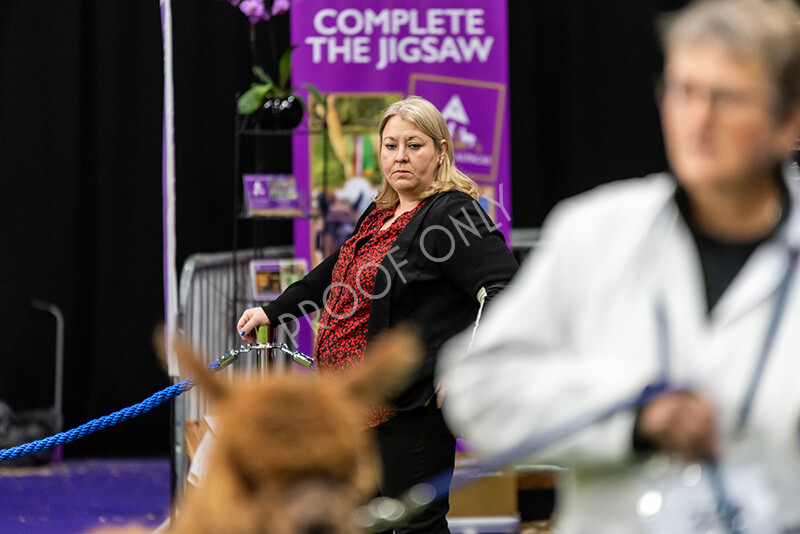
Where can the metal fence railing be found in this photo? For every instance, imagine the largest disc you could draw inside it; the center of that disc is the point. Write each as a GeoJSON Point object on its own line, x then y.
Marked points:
{"type": "Point", "coordinates": [215, 288]}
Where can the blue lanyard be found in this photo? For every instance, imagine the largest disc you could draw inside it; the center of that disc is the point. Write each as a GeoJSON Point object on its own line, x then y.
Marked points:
{"type": "Point", "coordinates": [664, 351]}
{"type": "Point", "coordinates": [769, 338]}
{"type": "Point", "coordinates": [728, 510]}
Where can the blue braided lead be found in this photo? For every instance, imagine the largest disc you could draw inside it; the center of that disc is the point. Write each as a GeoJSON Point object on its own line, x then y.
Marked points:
{"type": "Point", "coordinates": [99, 423]}
{"type": "Point", "coordinates": [140, 408]}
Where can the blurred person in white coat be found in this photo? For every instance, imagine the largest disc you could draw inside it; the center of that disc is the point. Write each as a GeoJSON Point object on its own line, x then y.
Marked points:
{"type": "Point", "coordinates": [683, 277]}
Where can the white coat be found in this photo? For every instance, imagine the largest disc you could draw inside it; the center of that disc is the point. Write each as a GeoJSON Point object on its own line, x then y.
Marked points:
{"type": "Point", "coordinates": [576, 331]}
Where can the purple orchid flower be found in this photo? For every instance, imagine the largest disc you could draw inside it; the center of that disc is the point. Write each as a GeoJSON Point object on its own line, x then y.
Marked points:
{"type": "Point", "coordinates": [281, 6]}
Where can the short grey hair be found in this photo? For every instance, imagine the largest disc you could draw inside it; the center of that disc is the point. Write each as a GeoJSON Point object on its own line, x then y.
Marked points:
{"type": "Point", "coordinates": [766, 29]}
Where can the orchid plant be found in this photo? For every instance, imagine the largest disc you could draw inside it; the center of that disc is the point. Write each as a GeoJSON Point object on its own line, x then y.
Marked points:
{"type": "Point", "coordinates": [261, 10]}
{"type": "Point", "coordinates": [252, 99]}
{"type": "Point", "coordinates": [266, 88]}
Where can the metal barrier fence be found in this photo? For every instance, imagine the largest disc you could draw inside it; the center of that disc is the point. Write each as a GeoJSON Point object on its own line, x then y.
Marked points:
{"type": "Point", "coordinates": [215, 288]}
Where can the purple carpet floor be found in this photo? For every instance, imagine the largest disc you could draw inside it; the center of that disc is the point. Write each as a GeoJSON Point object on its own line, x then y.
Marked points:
{"type": "Point", "coordinates": [76, 496]}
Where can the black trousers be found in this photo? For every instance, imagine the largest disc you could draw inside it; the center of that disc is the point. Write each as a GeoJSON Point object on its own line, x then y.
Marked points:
{"type": "Point", "coordinates": [416, 446]}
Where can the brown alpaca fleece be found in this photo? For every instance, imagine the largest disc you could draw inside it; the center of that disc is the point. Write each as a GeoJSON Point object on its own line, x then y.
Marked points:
{"type": "Point", "coordinates": [292, 455]}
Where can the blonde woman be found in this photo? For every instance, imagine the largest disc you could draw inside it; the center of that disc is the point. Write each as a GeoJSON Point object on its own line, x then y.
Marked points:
{"type": "Point", "coordinates": [424, 252]}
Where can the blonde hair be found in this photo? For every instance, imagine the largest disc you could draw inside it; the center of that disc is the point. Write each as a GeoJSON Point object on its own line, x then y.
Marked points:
{"type": "Point", "coordinates": [766, 29]}
{"type": "Point", "coordinates": [429, 121]}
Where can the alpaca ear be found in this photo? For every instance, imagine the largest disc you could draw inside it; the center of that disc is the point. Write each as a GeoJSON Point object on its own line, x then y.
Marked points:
{"type": "Point", "coordinates": [391, 359]}
{"type": "Point", "coordinates": [368, 472]}
{"type": "Point", "coordinates": [192, 363]}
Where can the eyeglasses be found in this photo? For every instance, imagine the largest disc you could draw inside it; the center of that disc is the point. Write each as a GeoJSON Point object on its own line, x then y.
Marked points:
{"type": "Point", "coordinates": [721, 99]}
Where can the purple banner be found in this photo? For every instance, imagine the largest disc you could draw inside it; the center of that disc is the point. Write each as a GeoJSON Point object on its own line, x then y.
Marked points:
{"type": "Point", "coordinates": [363, 55]}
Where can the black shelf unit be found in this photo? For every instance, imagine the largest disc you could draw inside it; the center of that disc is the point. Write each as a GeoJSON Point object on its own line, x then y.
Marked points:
{"type": "Point", "coordinates": [260, 150]}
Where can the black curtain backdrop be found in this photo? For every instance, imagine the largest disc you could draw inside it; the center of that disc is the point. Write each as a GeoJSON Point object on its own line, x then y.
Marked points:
{"type": "Point", "coordinates": [80, 157]}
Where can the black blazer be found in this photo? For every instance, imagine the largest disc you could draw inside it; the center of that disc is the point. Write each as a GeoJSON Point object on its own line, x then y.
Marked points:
{"type": "Point", "coordinates": [431, 277]}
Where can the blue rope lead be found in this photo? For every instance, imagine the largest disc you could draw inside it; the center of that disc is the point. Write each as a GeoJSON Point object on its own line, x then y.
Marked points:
{"type": "Point", "coordinates": [99, 423]}
{"type": "Point", "coordinates": [142, 407]}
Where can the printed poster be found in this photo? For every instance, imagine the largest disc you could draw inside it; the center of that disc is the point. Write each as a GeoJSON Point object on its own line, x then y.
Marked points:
{"type": "Point", "coordinates": [363, 56]}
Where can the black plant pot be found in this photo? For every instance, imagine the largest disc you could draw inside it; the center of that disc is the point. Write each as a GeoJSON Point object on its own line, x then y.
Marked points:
{"type": "Point", "coordinates": [281, 113]}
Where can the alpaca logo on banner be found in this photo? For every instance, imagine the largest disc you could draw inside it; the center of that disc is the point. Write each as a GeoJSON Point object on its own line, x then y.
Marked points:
{"type": "Point", "coordinates": [476, 135]}
{"type": "Point", "coordinates": [458, 123]}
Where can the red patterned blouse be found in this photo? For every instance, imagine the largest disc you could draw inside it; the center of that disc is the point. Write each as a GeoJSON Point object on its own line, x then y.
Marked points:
{"type": "Point", "coordinates": [342, 334]}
